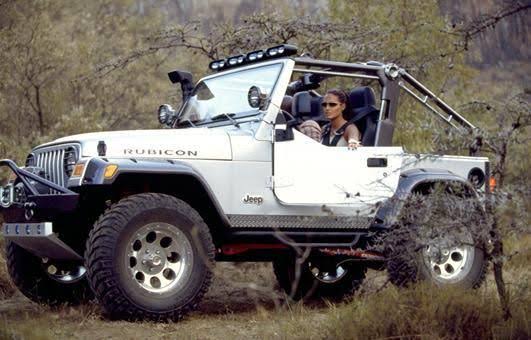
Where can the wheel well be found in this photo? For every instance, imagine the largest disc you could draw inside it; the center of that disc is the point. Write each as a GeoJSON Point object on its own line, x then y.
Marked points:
{"type": "Point", "coordinates": [450, 186]}
{"type": "Point", "coordinates": [183, 186]}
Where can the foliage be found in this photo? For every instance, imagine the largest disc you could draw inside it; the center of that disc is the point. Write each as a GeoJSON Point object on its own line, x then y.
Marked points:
{"type": "Point", "coordinates": [425, 313]}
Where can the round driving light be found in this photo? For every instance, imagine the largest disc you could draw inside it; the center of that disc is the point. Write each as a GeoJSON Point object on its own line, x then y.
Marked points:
{"type": "Point", "coordinates": [164, 113]}
{"type": "Point", "coordinates": [240, 59]}
{"type": "Point", "coordinates": [281, 50]}
{"type": "Point", "coordinates": [253, 97]}
{"type": "Point", "coordinates": [214, 65]}
{"type": "Point", "coordinates": [272, 52]}
{"type": "Point", "coordinates": [233, 61]}
{"type": "Point", "coordinates": [221, 63]}
{"type": "Point", "coordinates": [253, 56]}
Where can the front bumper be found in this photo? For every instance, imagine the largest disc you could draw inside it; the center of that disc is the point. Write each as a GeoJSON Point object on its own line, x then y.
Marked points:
{"type": "Point", "coordinates": [27, 205]}
{"type": "Point", "coordinates": [39, 239]}
{"type": "Point", "coordinates": [42, 199]}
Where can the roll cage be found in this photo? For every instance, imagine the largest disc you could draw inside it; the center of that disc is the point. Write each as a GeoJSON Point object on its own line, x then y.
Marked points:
{"type": "Point", "coordinates": [392, 78]}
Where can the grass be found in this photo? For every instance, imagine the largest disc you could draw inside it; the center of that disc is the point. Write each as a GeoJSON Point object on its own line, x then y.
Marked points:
{"type": "Point", "coordinates": [244, 303]}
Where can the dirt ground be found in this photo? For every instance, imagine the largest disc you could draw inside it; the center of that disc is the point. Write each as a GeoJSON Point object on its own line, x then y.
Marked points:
{"type": "Point", "coordinates": [243, 303]}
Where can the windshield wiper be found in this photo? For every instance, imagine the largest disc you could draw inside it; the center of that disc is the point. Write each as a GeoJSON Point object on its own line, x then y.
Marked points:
{"type": "Point", "coordinates": [227, 116]}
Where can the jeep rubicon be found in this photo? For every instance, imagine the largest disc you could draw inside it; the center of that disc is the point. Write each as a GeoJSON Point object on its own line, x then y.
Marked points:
{"type": "Point", "coordinates": [138, 218]}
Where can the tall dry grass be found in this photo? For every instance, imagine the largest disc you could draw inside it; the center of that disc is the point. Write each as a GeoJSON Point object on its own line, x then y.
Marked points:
{"type": "Point", "coordinates": [244, 302]}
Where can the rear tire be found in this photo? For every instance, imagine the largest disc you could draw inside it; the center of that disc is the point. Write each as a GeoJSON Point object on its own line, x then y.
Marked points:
{"type": "Point", "coordinates": [150, 256]}
{"type": "Point", "coordinates": [436, 242]}
{"type": "Point", "coordinates": [305, 280]}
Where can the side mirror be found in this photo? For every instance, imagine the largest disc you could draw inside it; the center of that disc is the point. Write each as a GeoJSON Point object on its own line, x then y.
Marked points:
{"type": "Point", "coordinates": [257, 98]}
{"type": "Point", "coordinates": [185, 79]}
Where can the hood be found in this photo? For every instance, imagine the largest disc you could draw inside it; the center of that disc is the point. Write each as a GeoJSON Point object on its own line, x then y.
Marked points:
{"type": "Point", "coordinates": [194, 143]}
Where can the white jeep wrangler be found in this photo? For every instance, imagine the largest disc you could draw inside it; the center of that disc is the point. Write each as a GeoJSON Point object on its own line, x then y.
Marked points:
{"type": "Point", "coordinates": [138, 218]}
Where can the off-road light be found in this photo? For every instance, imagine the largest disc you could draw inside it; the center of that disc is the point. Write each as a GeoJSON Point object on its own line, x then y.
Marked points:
{"type": "Point", "coordinates": [256, 97]}
{"type": "Point", "coordinates": [253, 97]}
{"type": "Point", "coordinates": [217, 64]}
{"type": "Point", "coordinates": [281, 50]}
{"type": "Point", "coordinates": [256, 55]}
{"type": "Point", "coordinates": [165, 113]}
{"type": "Point", "coordinates": [237, 59]}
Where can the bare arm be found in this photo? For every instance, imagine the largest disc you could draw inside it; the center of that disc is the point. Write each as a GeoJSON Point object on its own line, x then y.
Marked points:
{"type": "Point", "coordinates": [353, 136]}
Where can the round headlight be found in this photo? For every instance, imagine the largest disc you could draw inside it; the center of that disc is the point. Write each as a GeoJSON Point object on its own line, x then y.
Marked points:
{"type": "Point", "coordinates": [165, 113]}
{"type": "Point", "coordinates": [69, 161]}
{"type": "Point", "coordinates": [30, 160]}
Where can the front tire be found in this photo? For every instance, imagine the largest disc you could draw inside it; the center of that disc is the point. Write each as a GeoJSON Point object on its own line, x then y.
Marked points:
{"type": "Point", "coordinates": [150, 257]}
{"type": "Point", "coordinates": [47, 281]}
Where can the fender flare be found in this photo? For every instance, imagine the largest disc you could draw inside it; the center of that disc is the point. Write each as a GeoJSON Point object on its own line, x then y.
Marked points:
{"type": "Point", "coordinates": [94, 174]}
{"type": "Point", "coordinates": [408, 182]}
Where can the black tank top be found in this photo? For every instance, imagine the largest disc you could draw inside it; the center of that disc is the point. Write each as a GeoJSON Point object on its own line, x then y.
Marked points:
{"type": "Point", "coordinates": [327, 129]}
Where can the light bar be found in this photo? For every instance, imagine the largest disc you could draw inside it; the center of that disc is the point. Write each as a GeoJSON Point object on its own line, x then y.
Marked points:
{"type": "Point", "coordinates": [279, 51]}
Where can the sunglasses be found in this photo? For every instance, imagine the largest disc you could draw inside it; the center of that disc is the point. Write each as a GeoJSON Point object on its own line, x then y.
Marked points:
{"type": "Point", "coordinates": [325, 104]}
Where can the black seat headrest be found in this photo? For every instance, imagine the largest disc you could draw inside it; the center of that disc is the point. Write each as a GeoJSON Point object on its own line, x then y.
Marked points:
{"type": "Point", "coordinates": [362, 102]}
{"type": "Point", "coordinates": [307, 105]}
{"type": "Point", "coordinates": [302, 104]}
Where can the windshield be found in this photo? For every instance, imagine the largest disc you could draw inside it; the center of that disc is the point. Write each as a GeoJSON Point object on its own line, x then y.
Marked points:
{"type": "Point", "coordinates": [226, 96]}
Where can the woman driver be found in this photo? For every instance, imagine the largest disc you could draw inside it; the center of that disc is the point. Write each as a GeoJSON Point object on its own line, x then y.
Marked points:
{"type": "Point", "coordinates": [339, 132]}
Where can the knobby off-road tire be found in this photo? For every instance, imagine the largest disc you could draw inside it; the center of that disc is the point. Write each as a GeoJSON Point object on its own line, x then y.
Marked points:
{"type": "Point", "coordinates": [150, 256]}
{"type": "Point", "coordinates": [462, 264]}
{"type": "Point", "coordinates": [299, 279]}
{"type": "Point", "coordinates": [29, 274]}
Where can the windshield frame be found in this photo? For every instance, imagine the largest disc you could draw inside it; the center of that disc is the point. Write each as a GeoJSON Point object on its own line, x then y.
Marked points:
{"type": "Point", "coordinates": [242, 116]}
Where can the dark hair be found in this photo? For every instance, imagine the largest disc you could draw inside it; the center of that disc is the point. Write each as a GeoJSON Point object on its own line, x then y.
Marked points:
{"type": "Point", "coordinates": [343, 99]}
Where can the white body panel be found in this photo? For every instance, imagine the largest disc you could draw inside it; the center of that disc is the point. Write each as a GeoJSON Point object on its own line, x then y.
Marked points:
{"type": "Point", "coordinates": [163, 144]}
{"type": "Point", "coordinates": [309, 173]}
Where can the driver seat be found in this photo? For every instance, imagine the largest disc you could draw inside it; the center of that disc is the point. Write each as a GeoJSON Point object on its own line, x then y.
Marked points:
{"type": "Point", "coordinates": [364, 113]}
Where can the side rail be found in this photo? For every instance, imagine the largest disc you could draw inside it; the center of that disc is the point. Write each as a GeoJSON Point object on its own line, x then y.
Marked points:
{"type": "Point", "coordinates": [57, 198]}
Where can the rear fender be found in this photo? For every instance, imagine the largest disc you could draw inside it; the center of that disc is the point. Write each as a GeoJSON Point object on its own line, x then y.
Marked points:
{"type": "Point", "coordinates": [412, 181]}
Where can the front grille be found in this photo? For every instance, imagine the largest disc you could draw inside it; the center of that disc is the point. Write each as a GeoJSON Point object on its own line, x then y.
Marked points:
{"type": "Point", "coordinates": [57, 162]}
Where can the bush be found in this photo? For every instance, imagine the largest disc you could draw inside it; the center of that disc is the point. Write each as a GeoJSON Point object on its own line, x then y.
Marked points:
{"type": "Point", "coordinates": [426, 312]}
